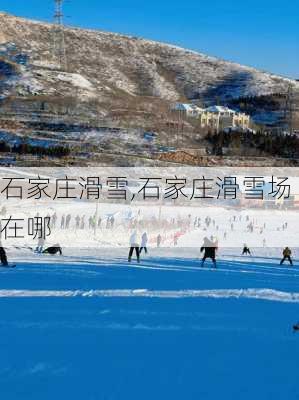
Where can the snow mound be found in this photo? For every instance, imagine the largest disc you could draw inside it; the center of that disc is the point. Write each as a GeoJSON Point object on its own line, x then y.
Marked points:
{"type": "Point", "coordinates": [75, 79]}
{"type": "Point", "coordinates": [256, 294]}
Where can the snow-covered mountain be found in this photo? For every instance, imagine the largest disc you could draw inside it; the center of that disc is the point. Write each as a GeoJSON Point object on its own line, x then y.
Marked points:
{"type": "Point", "coordinates": [109, 66]}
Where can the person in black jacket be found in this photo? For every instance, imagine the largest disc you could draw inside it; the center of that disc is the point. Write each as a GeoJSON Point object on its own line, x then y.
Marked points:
{"type": "Point", "coordinates": [246, 250]}
{"type": "Point", "coordinates": [287, 252]}
{"type": "Point", "coordinates": [3, 257]}
{"type": "Point", "coordinates": [53, 250]}
{"type": "Point", "coordinates": [209, 247]}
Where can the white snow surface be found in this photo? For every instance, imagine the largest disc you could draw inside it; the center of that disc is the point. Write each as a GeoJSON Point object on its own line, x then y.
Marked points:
{"type": "Point", "coordinates": [257, 294]}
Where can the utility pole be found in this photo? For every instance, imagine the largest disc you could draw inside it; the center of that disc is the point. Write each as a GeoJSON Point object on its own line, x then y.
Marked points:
{"type": "Point", "coordinates": [291, 109]}
{"type": "Point", "coordinates": [59, 51]}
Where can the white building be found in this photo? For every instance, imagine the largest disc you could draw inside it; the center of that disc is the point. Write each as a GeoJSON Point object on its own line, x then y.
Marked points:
{"type": "Point", "coordinates": [228, 118]}
{"type": "Point", "coordinates": [214, 118]}
{"type": "Point", "coordinates": [187, 110]}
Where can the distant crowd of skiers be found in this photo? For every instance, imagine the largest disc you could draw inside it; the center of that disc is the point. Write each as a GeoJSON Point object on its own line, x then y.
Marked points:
{"type": "Point", "coordinates": [209, 248]}
{"type": "Point", "coordinates": [81, 222]}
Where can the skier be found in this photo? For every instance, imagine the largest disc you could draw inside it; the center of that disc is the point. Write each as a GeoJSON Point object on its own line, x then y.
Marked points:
{"type": "Point", "coordinates": [82, 226]}
{"type": "Point", "coordinates": [134, 246]}
{"type": "Point", "coordinates": [176, 239]}
{"type": "Point", "coordinates": [209, 248]}
{"type": "Point", "coordinates": [3, 210]}
{"type": "Point", "coordinates": [40, 245]}
{"type": "Point", "coordinates": [54, 220]}
{"type": "Point", "coordinates": [286, 256]}
{"type": "Point", "coordinates": [68, 221]}
{"type": "Point", "coordinates": [246, 250]}
{"type": "Point", "coordinates": [53, 250]}
{"type": "Point", "coordinates": [112, 221]}
{"type": "Point", "coordinates": [144, 240]}
{"type": "Point", "coordinates": [94, 222]}
{"type": "Point", "coordinates": [159, 240]}
{"type": "Point", "coordinates": [3, 257]}
{"type": "Point", "coordinates": [90, 222]}
{"type": "Point", "coordinates": [62, 223]}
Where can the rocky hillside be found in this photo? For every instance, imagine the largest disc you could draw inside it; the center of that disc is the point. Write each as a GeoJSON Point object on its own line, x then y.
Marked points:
{"type": "Point", "coordinates": [111, 71]}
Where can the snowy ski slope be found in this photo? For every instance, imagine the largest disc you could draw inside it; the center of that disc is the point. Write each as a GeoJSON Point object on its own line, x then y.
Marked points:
{"type": "Point", "coordinates": [88, 325]}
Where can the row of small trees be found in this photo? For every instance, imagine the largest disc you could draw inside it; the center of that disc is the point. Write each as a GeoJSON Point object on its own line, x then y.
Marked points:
{"type": "Point", "coordinates": [26, 148]}
{"type": "Point", "coordinates": [266, 102]}
{"type": "Point", "coordinates": [275, 145]}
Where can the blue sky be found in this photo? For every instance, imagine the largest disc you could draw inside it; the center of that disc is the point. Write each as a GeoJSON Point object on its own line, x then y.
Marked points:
{"type": "Point", "coordinates": [261, 33]}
